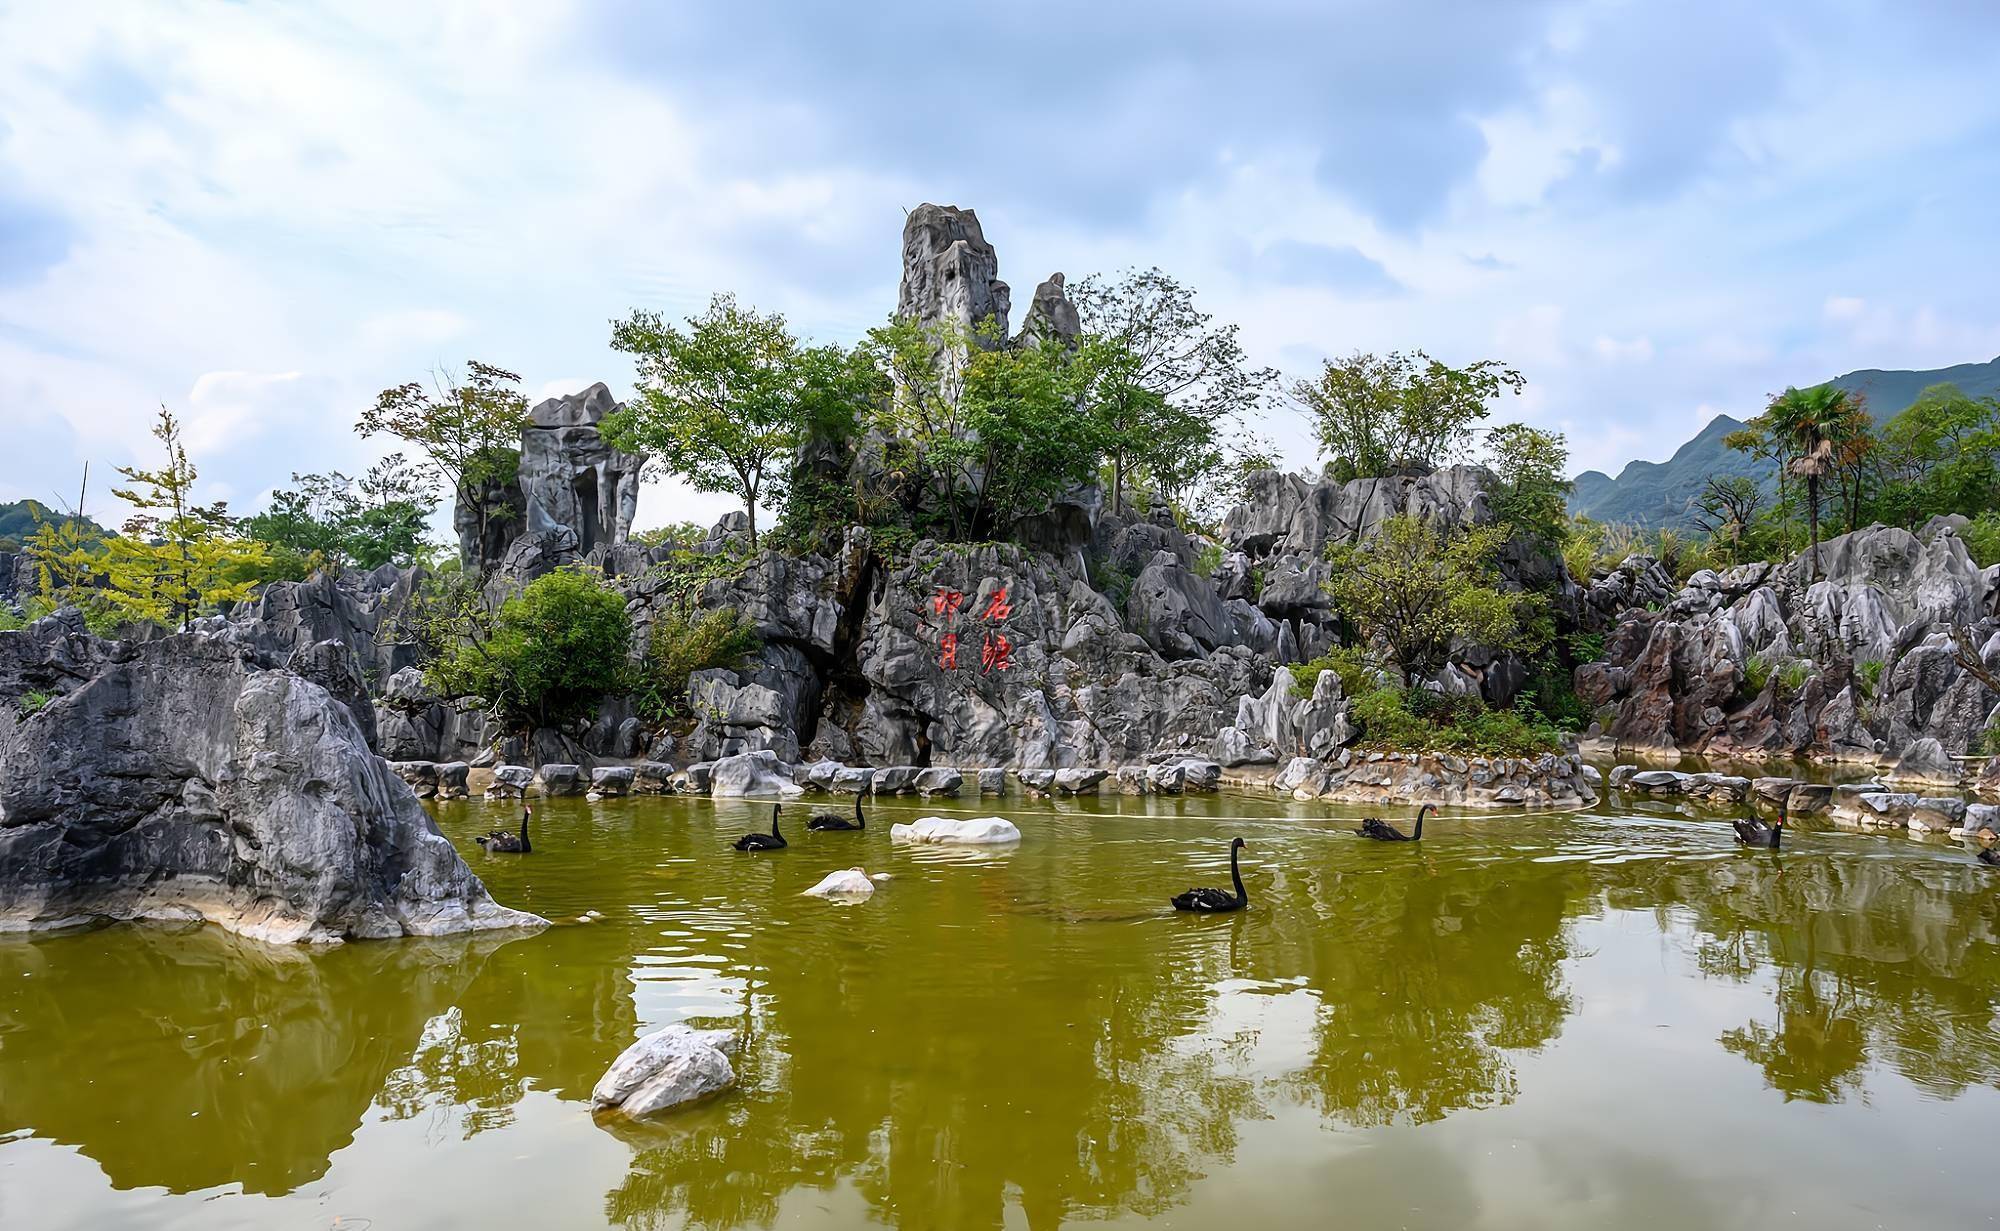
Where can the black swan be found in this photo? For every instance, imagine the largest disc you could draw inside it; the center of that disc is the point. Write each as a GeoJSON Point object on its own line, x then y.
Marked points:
{"type": "Point", "coordinates": [1215, 901]}
{"type": "Point", "coordinates": [1988, 855]}
{"type": "Point", "coordinates": [500, 842]}
{"type": "Point", "coordinates": [826, 820]}
{"type": "Point", "coordinates": [1754, 832]}
{"type": "Point", "coordinates": [772, 841]}
{"type": "Point", "coordinates": [1382, 831]}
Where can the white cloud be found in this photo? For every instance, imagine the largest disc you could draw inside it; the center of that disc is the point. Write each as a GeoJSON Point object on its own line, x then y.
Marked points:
{"type": "Point", "coordinates": [316, 203]}
{"type": "Point", "coordinates": [1630, 350]}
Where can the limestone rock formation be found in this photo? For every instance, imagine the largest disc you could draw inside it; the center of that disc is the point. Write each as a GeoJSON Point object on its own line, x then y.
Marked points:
{"type": "Point", "coordinates": [666, 1068]}
{"type": "Point", "coordinates": [574, 494]}
{"type": "Point", "coordinates": [1051, 316]}
{"type": "Point", "coordinates": [950, 273]}
{"type": "Point", "coordinates": [194, 777]}
{"type": "Point", "coordinates": [1858, 662]}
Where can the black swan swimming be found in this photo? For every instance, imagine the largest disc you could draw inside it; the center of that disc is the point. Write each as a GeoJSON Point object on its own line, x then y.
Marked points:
{"type": "Point", "coordinates": [1216, 901]}
{"type": "Point", "coordinates": [772, 841]}
{"type": "Point", "coordinates": [826, 820]}
{"type": "Point", "coordinates": [500, 842]}
{"type": "Point", "coordinates": [1754, 832]}
{"type": "Point", "coordinates": [1988, 855]}
{"type": "Point", "coordinates": [1382, 831]}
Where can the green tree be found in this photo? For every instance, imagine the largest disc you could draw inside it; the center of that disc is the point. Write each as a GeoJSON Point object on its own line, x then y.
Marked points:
{"type": "Point", "coordinates": [1939, 456]}
{"type": "Point", "coordinates": [724, 402]}
{"type": "Point", "coordinates": [333, 521]}
{"type": "Point", "coordinates": [1159, 375]}
{"type": "Point", "coordinates": [1024, 444]}
{"type": "Point", "coordinates": [470, 429]}
{"type": "Point", "coordinates": [176, 558]}
{"type": "Point", "coordinates": [1415, 588]}
{"type": "Point", "coordinates": [547, 657]}
{"type": "Point", "coordinates": [1756, 439]}
{"type": "Point", "coordinates": [1227, 483]}
{"type": "Point", "coordinates": [1375, 414]}
{"type": "Point", "coordinates": [1532, 495]}
{"type": "Point", "coordinates": [1815, 423]}
{"type": "Point", "coordinates": [1725, 509]}
{"type": "Point", "coordinates": [68, 557]}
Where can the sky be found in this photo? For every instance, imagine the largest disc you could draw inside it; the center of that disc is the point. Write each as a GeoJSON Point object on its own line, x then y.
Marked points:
{"type": "Point", "coordinates": [259, 215]}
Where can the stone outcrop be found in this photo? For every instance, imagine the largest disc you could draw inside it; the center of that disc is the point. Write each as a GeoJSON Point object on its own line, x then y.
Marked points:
{"type": "Point", "coordinates": [1407, 779]}
{"type": "Point", "coordinates": [1858, 662]}
{"type": "Point", "coordinates": [197, 777]}
{"type": "Point", "coordinates": [669, 1067]}
{"type": "Point", "coordinates": [573, 497]}
{"type": "Point", "coordinates": [951, 275]}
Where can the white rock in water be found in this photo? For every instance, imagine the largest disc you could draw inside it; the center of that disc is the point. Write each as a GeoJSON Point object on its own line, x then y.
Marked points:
{"type": "Point", "coordinates": [664, 1069]}
{"type": "Point", "coordinates": [938, 830]}
{"type": "Point", "coordinates": [846, 883]}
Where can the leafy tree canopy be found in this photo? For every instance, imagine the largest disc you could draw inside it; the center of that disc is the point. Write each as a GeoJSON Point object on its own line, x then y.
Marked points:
{"type": "Point", "coordinates": [1415, 588]}
{"type": "Point", "coordinates": [724, 400]}
{"type": "Point", "coordinates": [176, 558]}
{"type": "Point", "coordinates": [1376, 414]}
{"type": "Point", "coordinates": [547, 657]}
{"type": "Point", "coordinates": [1160, 376]}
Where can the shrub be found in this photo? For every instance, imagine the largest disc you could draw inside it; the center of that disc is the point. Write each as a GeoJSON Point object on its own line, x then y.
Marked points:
{"type": "Point", "coordinates": [1350, 662]}
{"type": "Point", "coordinates": [1424, 721]}
{"type": "Point", "coordinates": [1988, 743]}
{"type": "Point", "coordinates": [1982, 538]}
{"type": "Point", "coordinates": [1115, 584]}
{"type": "Point", "coordinates": [10, 619]}
{"type": "Point", "coordinates": [32, 703]}
{"type": "Point", "coordinates": [547, 657]}
{"type": "Point", "coordinates": [680, 647]}
{"type": "Point", "coordinates": [1794, 675]}
{"type": "Point", "coordinates": [1208, 559]}
{"type": "Point", "coordinates": [1756, 674]}
{"type": "Point", "coordinates": [1586, 647]}
{"type": "Point", "coordinates": [1868, 675]}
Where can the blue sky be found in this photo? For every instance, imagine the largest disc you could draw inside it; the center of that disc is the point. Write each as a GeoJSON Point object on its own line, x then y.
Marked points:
{"type": "Point", "coordinates": [259, 214]}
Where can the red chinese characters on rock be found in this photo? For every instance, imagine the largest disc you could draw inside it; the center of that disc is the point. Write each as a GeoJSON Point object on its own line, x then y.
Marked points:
{"type": "Point", "coordinates": [996, 652]}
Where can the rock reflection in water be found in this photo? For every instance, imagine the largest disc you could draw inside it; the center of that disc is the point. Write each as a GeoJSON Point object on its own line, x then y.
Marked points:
{"type": "Point", "coordinates": [191, 1058]}
{"type": "Point", "coordinates": [1038, 1040]}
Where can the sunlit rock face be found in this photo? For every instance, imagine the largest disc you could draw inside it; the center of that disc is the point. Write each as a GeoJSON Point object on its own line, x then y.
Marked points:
{"type": "Point", "coordinates": [191, 777]}
{"type": "Point", "coordinates": [574, 495]}
{"type": "Point", "coordinates": [951, 275]}
{"type": "Point", "coordinates": [1858, 658]}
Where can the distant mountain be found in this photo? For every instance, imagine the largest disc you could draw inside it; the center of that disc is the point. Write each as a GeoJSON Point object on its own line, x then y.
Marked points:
{"type": "Point", "coordinates": [17, 520]}
{"type": "Point", "coordinates": [1654, 494]}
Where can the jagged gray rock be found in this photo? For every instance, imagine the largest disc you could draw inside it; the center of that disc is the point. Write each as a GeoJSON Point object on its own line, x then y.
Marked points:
{"type": "Point", "coordinates": [191, 777]}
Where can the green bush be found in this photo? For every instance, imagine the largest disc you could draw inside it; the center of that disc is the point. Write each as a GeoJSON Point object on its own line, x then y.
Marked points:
{"type": "Point", "coordinates": [32, 703]}
{"type": "Point", "coordinates": [1756, 674]}
{"type": "Point", "coordinates": [549, 656]}
{"type": "Point", "coordinates": [1982, 538]}
{"type": "Point", "coordinates": [678, 648]}
{"type": "Point", "coordinates": [1424, 721]}
{"type": "Point", "coordinates": [1868, 675]}
{"type": "Point", "coordinates": [1349, 662]}
{"type": "Point", "coordinates": [1586, 648]}
{"type": "Point", "coordinates": [1794, 675]}
{"type": "Point", "coordinates": [11, 620]}
{"type": "Point", "coordinates": [1208, 559]}
{"type": "Point", "coordinates": [1115, 584]}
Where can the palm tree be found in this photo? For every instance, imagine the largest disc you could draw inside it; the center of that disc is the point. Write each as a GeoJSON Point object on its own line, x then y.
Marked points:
{"type": "Point", "coordinates": [1814, 423]}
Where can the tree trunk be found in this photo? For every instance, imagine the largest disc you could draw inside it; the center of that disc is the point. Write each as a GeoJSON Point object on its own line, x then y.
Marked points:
{"type": "Point", "coordinates": [1812, 521]}
{"type": "Point", "coordinates": [1118, 481]}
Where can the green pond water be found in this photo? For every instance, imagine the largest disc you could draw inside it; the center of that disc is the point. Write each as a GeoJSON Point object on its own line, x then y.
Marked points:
{"type": "Point", "coordinates": [1565, 1021]}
